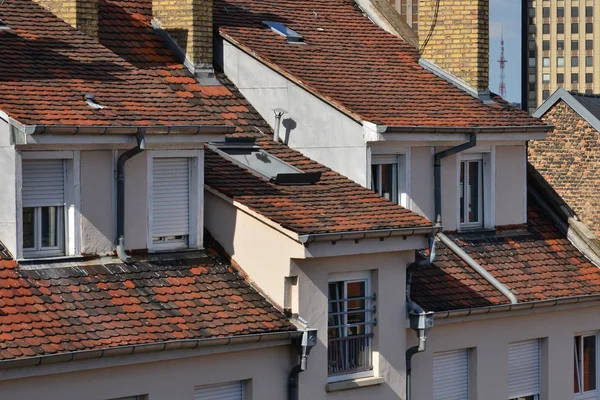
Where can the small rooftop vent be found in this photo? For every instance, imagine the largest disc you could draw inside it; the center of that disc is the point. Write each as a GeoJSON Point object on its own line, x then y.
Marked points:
{"type": "Point", "coordinates": [263, 164]}
{"type": "Point", "coordinates": [90, 99]}
{"type": "Point", "coordinates": [279, 28]}
{"type": "Point", "coordinates": [3, 26]}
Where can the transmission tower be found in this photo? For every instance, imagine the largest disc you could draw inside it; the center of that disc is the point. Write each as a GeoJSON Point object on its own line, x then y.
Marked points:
{"type": "Point", "coordinates": [502, 61]}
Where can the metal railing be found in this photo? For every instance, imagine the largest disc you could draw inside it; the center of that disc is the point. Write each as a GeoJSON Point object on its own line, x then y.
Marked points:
{"type": "Point", "coordinates": [350, 354]}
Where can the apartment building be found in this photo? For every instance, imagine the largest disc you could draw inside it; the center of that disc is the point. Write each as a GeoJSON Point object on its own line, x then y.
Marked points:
{"type": "Point", "coordinates": [561, 48]}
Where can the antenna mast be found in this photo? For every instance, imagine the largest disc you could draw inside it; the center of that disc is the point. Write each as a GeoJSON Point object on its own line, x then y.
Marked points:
{"type": "Point", "coordinates": [502, 61]}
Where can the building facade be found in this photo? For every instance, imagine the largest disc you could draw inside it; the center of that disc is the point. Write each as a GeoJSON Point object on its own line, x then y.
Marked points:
{"type": "Point", "coordinates": [563, 49]}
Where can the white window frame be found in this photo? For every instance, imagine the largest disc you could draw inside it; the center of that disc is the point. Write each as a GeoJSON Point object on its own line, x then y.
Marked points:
{"type": "Point", "coordinates": [196, 223]}
{"type": "Point", "coordinates": [402, 171]}
{"type": "Point", "coordinates": [488, 181]}
{"type": "Point", "coordinates": [349, 277]}
{"type": "Point", "coordinates": [71, 243]}
{"type": "Point", "coordinates": [593, 394]}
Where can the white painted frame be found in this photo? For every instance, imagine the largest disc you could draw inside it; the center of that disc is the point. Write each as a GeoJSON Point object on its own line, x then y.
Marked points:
{"type": "Point", "coordinates": [72, 208]}
{"type": "Point", "coordinates": [594, 394]}
{"type": "Point", "coordinates": [196, 223]}
{"type": "Point", "coordinates": [403, 178]}
{"type": "Point", "coordinates": [349, 277]}
{"type": "Point", "coordinates": [489, 187]}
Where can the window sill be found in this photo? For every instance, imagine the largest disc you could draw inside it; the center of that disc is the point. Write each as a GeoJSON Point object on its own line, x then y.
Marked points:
{"type": "Point", "coordinates": [354, 384]}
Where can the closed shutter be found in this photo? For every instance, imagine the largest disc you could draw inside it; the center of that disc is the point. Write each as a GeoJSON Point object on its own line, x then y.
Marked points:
{"type": "Point", "coordinates": [170, 197]}
{"type": "Point", "coordinates": [451, 375]}
{"type": "Point", "coordinates": [43, 183]}
{"type": "Point", "coordinates": [227, 391]}
{"type": "Point", "coordinates": [523, 369]}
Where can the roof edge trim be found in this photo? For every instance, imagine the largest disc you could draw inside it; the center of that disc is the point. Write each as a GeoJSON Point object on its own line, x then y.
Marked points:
{"type": "Point", "coordinates": [368, 234]}
{"type": "Point", "coordinates": [465, 129]}
{"type": "Point", "coordinates": [468, 312]}
{"type": "Point", "coordinates": [127, 129]}
{"type": "Point", "coordinates": [189, 344]}
{"type": "Point", "coordinates": [448, 77]}
{"type": "Point", "coordinates": [562, 94]}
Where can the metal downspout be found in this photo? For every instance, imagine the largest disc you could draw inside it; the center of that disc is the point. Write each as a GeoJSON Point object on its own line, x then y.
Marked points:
{"type": "Point", "coordinates": [141, 146]}
{"type": "Point", "coordinates": [437, 173]}
{"type": "Point", "coordinates": [478, 268]}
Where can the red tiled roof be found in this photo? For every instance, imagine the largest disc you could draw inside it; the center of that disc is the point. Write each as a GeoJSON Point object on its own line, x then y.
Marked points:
{"type": "Point", "coordinates": [334, 204]}
{"type": "Point", "coordinates": [536, 263]}
{"type": "Point", "coordinates": [49, 67]}
{"type": "Point", "coordinates": [355, 65]}
{"type": "Point", "coordinates": [100, 306]}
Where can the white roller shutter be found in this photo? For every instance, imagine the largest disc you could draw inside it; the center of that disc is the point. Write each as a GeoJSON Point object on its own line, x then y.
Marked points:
{"type": "Point", "coordinates": [227, 391]}
{"type": "Point", "coordinates": [43, 183]}
{"type": "Point", "coordinates": [170, 196]}
{"type": "Point", "coordinates": [451, 375]}
{"type": "Point", "coordinates": [523, 369]}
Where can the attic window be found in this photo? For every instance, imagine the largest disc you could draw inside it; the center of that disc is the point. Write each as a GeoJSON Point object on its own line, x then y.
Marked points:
{"type": "Point", "coordinates": [279, 28]}
{"type": "Point", "coordinates": [263, 164]}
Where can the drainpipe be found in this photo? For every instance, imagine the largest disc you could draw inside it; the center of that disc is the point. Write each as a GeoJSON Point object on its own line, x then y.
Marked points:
{"type": "Point", "coordinates": [141, 146]}
{"type": "Point", "coordinates": [437, 173]}
{"type": "Point", "coordinates": [305, 345]}
{"type": "Point", "coordinates": [421, 321]}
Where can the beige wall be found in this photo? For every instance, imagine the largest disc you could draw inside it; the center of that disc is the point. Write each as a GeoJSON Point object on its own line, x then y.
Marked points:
{"type": "Point", "coordinates": [388, 272]}
{"type": "Point", "coordinates": [489, 338]}
{"type": "Point", "coordinates": [511, 176]}
{"type": "Point", "coordinates": [267, 368]}
{"type": "Point", "coordinates": [96, 202]}
{"type": "Point", "coordinates": [136, 203]}
{"type": "Point", "coordinates": [421, 190]}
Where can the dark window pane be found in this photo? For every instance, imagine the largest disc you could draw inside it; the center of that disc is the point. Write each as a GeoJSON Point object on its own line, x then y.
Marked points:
{"type": "Point", "coordinates": [387, 181]}
{"type": "Point", "coordinates": [574, 61]}
{"type": "Point", "coordinates": [589, 45]}
{"type": "Point", "coordinates": [589, 91]}
{"type": "Point", "coordinates": [574, 44]}
{"type": "Point", "coordinates": [574, 27]}
{"type": "Point", "coordinates": [545, 94]}
{"type": "Point", "coordinates": [462, 192]}
{"type": "Point", "coordinates": [560, 78]}
{"type": "Point", "coordinates": [589, 363]}
{"type": "Point", "coordinates": [50, 226]}
{"type": "Point", "coordinates": [28, 227]}
{"type": "Point", "coordinates": [560, 28]}
{"type": "Point", "coordinates": [577, 366]}
{"type": "Point", "coordinates": [560, 12]}
{"type": "Point", "coordinates": [589, 61]}
{"type": "Point", "coordinates": [574, 78]}
{"type": "Point", "coordinates": [546, 45]}
{"type": "Point", "coordinates": [546, 12]}
{"type": "Point", "coordinates": [574, 11]}
{"type": "Point", "coordinates": [589, 11]}
{"type": "Point", "coordinates": [474, 190]}
{"type": "Point", "coordinates": [375, 178]}
{"type": "Point", "coordinates": [560, 44]}
{"type": "Point", "coordinates": [589, 28]}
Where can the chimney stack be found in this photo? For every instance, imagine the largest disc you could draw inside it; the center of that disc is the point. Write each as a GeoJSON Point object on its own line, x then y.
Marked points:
{"type": "Point", "coordinates": [80, 14]}
{"type": "Point", "coordinates": [459, 42]}
{"type": "Point", "coordinates": [189, 23]}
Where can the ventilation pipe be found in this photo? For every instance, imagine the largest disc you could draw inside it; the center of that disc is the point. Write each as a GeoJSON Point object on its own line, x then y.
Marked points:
{"type": "Point", "coordinates": [141, 146]}
{"type": "Point", "coordinates": [437, 173]}
{"type": "Point", "coordinates": [278, 114]}
{"type": "Point", "coordinates": [305, 345]}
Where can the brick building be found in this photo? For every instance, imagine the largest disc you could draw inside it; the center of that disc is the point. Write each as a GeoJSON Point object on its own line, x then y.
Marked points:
{"type": "Point", "coordinates": [569, 159]}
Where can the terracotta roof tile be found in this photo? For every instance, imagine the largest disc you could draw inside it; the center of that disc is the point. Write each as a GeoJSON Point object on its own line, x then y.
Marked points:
{"type": "Point", "coordinates": [536, 262]}
{"type": "Point", "coordinates": [98, 306]}
{"type": "Point", "coordinates": [350, 62]}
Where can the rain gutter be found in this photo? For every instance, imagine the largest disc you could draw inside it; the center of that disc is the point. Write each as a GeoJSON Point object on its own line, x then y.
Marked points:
{"type": "Point", "coordinates": [189, 344]}
{"type": "Point", "coordinates": [466, 312]}
{"type": "Point", "coordinates": [360, 235]}
{"type": "Point", "coordinates": [464, 129]}
{"type": "Point", "coordinates": [121, 130]}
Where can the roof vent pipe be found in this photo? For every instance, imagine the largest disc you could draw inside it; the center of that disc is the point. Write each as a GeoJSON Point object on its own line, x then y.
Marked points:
{"type": "Point", "coordinates": [278, 114]}
{"type": "Point", "coordinates": [141, 146]}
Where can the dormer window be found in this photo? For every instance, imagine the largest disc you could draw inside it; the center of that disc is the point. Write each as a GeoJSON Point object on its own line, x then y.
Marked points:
{"type": "Point", "coordinates": [475, 198]}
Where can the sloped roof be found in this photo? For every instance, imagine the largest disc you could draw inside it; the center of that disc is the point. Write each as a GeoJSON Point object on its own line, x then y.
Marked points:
{"type": "Point", "coordinates": [48, 67]}
{"type": "Point", "coordinates": [535, 262]}
{"type": "Point", "coordinates": [96, 305]}
{"type": "Point", "coordinates": [356, 66]}
{"type": "Point", "coordinates": [586, 105]}
{"type": "Point", "coordinates": [334, 204]}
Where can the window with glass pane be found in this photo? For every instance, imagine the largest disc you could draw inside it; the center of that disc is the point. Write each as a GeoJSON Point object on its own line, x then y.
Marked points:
{"type": "Point", "coordinates": [574, 44]}
{"type": "Point", "coordinates": [471, 193]}
{"type": "Point", "coordinates": [43, 213]}
{"type": "Point", "coordinates": [384, 177]}
{"type": "Point", "coordinates": [349, 332]}
{"type": "Point", "coordinates": [560, 28]}
{"type": "Point", "coordinates": [585, 368]}
{"type": "Point", "coordinates": [574, 11]}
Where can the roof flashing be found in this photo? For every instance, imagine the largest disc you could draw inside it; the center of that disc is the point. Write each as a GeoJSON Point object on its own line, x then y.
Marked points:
{"type": "Point", "coordinates": [246, 154]}
{"type": "Point", "coordinates": [292, 36]}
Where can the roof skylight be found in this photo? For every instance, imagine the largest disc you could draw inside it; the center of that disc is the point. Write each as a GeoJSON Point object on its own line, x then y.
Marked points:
{"type": "Point", "coordinates": [263, 164]}
{"type": "Point", "coordinates": [291, 35]}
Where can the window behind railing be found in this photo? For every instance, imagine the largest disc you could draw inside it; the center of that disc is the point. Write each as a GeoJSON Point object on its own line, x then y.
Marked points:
{"type": "Point", "coordinates": [351, 318]}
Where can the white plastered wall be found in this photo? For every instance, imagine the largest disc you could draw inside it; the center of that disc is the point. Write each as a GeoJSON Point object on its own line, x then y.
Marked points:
{"type": "Point", "coordinates": [511, 178]}
{"type": "Point", "coordinates": [311, 126]}
{"type": "Point", "coordinates": [8, 200]}
{"type": "Point", "coordinates": [388, 274]}
{"type": "Point", "coordinates": [266, 369]}
{"type": "Point", "coordinates": [488, 339]}
{"type": "Point", "coordinates": [97, 182]}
